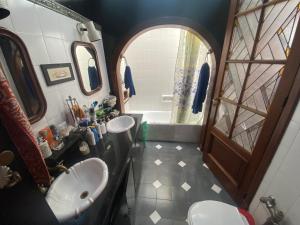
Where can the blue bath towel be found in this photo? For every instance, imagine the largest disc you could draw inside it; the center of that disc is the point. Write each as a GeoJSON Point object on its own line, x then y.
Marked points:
{"type": "Point", "coordinates": [94, 77]}
{"type": "Point", "coordinates": [201, 89]}
{"type": "Point", "coordinates": [128, 81]}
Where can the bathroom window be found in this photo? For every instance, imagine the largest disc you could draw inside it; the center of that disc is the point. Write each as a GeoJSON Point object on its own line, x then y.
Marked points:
{"type": "Point", "coordinates": [18, 69]}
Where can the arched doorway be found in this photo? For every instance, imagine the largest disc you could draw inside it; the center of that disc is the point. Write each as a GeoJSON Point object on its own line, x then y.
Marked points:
{"type": "Point", "coordinates": [163, 92]}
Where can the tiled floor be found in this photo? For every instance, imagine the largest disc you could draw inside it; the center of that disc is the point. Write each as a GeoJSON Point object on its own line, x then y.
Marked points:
{"type": "Point", "coordinates": [173, 177]}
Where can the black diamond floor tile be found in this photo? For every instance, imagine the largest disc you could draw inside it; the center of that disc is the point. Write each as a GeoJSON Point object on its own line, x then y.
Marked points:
{"type": "Point", "coordinates": [170, 200]}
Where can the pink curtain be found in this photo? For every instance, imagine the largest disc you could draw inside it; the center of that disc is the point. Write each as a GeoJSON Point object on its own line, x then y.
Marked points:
{"type": "Point", "coordinates": [18, 128]}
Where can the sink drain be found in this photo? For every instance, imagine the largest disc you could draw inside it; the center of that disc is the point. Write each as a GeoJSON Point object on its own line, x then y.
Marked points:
{"type": "Point", "coordinates": [84, 194]}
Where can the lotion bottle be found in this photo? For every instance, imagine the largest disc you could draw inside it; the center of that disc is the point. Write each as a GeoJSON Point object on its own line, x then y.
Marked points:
{"type": "Point", "coordinates": [103, 127]}
{"type": "Point", "coordinates": [98, 126]}
{"type": "Point", "coordinates": [90, 137]}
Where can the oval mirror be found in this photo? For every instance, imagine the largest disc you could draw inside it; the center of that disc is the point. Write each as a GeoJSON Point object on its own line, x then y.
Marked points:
{"type": "Point", "coordinates": [87, 67]}
{"type": "Point", "coordinates": [19, 71]}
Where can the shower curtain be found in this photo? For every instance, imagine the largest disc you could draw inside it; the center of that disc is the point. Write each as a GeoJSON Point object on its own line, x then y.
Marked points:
{"type": "Point", "coordinates": [190, 57]}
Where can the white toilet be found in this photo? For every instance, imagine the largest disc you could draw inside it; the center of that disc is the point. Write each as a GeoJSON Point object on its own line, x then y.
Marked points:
{"type": "Point", "coordinates": [215, 213]}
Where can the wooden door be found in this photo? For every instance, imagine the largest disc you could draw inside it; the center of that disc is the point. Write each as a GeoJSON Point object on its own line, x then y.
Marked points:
{"type": "Point", "coordinates": [259, 63]}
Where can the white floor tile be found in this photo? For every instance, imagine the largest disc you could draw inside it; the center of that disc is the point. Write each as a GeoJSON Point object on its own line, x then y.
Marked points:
{"type": "Point", "coordinates": [158, 147]}
{"type": "Point", "coordinates": [156, 184]}
{"type": "Point", "coordinates": [185, 186]}
{"type": "Point", "coordinates": [158, 162]}
{"type": "Point", "coordinates": [182, 164]}
{"type": "Point", "coordinates": [204, 165]}
{"type": "Point", "coordinates": [179, 148]}
{"type": "Point", "coordinates": [155, 217]}
{"type": "Point", "coordinates": [216, 189]}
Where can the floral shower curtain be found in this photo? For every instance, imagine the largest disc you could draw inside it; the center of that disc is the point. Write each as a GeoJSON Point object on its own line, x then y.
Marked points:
{"type": "Point", "coordinates": [190, 57]}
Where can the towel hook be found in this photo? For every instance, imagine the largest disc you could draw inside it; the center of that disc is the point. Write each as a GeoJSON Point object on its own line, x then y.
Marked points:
{"type": "Point", "coordinates": [123, 57]}
{"type": "Point", "coordinates": [210, 51]}
{"type": "Point", "coordinates": [90, 60]}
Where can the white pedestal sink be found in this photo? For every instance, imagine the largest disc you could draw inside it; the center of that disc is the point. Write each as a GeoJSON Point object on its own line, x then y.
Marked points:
{"type": "Point", "coordinates": [120, 124]}
{"type": "Point", "coordinates": [72, 193]}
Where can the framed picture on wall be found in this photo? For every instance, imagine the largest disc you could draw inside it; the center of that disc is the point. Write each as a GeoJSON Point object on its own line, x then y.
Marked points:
{"type": "Point", "coordinates": [57, 73]}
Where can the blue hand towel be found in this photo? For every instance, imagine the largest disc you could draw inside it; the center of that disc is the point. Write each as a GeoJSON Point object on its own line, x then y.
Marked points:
{"type": "Point", "coordinates": [94, 77]}
{"type": "Point", "coordinates": [201, 89]}
{"type": "Point", "coordinates": [128, 81]}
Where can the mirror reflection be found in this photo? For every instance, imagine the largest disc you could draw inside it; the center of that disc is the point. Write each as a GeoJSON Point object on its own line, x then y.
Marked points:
{"type": "Point", "coordinates": [86, 61]}
{"type": "Point", "coordinates": [16, 65]}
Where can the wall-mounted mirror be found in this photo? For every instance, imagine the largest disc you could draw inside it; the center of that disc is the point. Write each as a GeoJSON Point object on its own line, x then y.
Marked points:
{"type": "Point", "coordinates": [18, 69]}
{"type": "Point", "coordinates": [87, 67]}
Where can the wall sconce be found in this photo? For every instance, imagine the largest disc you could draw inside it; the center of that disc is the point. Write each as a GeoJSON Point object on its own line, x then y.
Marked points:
{"type": "Point", "coordinates": [89, 27]}
{"type": "Point", "coordinates": [4, 12]}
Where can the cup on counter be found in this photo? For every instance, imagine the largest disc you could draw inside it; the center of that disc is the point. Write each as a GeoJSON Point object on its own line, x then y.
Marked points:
{"type": "Point", "coordinates": [45, 149]}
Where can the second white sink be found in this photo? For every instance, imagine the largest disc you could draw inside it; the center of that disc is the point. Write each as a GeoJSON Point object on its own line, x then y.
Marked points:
{"type": "Point", "coordinates": [73, 192]}
{"type": "Point", "coordinates": [120, 124]}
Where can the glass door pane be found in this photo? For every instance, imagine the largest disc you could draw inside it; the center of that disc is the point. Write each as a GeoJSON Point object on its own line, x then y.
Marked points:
{"type": "Point", "coordinates": [247, 129]}
{"type": "Point", "coordinates": [243, 36]}
{"type": "Point", "coordinates": [234, 78]}
{"type": "Point", "coordinates": [261, 86]}
{"type": "Point", "coordinates": [224, 117]}
{"type": "Point", "coordinates": [249, 4]}
{"type": "Point", "coordinates": [278, 30]}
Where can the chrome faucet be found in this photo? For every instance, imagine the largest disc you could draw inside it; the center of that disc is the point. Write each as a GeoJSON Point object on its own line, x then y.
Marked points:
{"type": "Point", "coordinates": [276, 216]}
{"type": "Point", "coordinates": [60, 167]}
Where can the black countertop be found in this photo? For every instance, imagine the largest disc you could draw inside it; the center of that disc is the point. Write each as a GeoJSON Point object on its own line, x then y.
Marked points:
{"type": "Point", "coordinates": [24, 204]}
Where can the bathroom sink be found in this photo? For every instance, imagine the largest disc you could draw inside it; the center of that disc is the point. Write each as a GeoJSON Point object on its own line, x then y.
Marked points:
{"type": "Point", "coordinates": [71, 193]}
{"type": "Point", "coordinates": [120, 124]}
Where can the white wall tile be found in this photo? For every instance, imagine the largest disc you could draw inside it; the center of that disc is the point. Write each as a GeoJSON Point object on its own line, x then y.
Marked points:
{"type": "Point", "coordinates": [54, 104]}
{"type": "Point", "coordinates": [39, 125]}
{"type": "Point", "coordinates": [152, 58]}
{"type": "Point", "coordinates": [36, 47]}
{"type": "Point", "coordinates": [290, 133]}
{"type": "Point", "coordinates": [24, 17]}
{"type": "Point", "coordinates": [293, 215]}
{"type": "Point", "coordinates": [282, 178]}
{"type": "Point", "coordinates": [7, 23]}
{"type": "Point", "coordinates": [56, 50]}
{"type": "Point", "coordinates": [260, 215]}
{"type": "Point", "coordinates": [68, 28]}
{"type": "Point", "coordinates": [283, 190]}
{"type": "Point", "coordinates": [49, 22]}
{"type": "Point", "coordinates": [48, 37]}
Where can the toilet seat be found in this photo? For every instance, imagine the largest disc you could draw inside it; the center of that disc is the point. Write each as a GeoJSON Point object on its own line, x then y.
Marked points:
{"type": "Point", "coordinates": [214, 213]}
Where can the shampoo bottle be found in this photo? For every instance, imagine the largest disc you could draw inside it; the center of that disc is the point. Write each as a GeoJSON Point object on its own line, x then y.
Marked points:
{"type": "Point", "coordinates": [103, 127]}
{"type": "Point", "coordinates": [90, 137]}
{"type": "Point", "coordinates": [98, 126]}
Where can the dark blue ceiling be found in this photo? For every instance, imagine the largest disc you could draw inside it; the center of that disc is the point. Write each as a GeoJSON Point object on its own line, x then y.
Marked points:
{"type": "Point", "coordinates": [118, 17]}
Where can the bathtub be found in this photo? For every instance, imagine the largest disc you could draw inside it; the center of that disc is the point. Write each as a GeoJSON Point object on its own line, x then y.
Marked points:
{"type": "Point", "coordinates": [155, 117]}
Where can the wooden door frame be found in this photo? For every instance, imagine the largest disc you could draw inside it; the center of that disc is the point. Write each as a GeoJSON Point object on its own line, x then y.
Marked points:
{"type": "Point", "coordinates": [283, 114]}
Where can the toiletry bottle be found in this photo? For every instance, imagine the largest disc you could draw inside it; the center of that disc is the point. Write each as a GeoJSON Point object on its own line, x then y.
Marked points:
{"type": "Point", "coordinates": [90, 137]}
{"type": "Point", "coordinates": [98, 126]}
{"type": "Point", "coordinates": [92, 114]}
{"type": "Point", "coordinates": [45, 149]}
{"type": "Point", "coordinates": [103, 127]}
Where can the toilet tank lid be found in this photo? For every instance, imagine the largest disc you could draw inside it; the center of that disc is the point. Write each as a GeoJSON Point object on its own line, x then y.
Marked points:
{"type": "Point", "coordinates": [214, 213]}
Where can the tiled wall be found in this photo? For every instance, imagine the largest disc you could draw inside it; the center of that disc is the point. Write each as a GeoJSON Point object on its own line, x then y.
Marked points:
{"type": "Point", "coordinates": [152, 58]}
{"type": "Point", "coordinates": [48, 37]}
{"type": "Point", "coordinates": [282, 179]}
